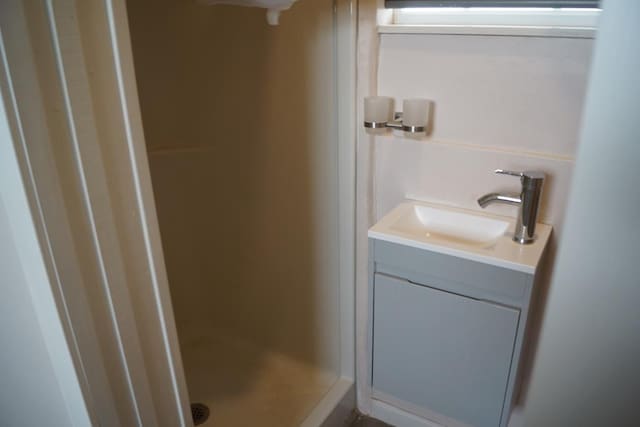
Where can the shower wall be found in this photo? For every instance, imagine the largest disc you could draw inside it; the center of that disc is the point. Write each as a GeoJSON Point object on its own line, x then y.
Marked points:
{"type": "Point", "coordinates": [240, 125]}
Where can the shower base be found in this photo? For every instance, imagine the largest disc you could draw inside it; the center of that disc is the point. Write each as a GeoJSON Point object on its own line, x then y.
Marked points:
{"type": "Point", "coordinates": [246, 385]}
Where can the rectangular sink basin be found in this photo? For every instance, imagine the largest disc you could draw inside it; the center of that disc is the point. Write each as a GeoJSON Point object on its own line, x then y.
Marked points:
{"type": "Point", "coordinates": [449, 225]}
{"type": "Point", "coordinates": [477, 236]}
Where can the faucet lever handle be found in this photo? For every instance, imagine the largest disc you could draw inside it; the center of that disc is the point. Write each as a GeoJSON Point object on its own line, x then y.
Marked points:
{"type": "Point", "coordinates": [506, 172]}
{"type": "Point", "coordinates": [525, 176]}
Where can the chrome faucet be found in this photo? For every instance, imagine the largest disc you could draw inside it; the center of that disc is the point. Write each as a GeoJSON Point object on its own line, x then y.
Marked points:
{"type": "Point", "coordinates": [527, 201]}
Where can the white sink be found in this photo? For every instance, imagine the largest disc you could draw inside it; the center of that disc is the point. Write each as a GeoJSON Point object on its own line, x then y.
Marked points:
{"type": "Point", "coordinates": [458, 227]}
{"type": "Point", "coordinates": [477, 236]}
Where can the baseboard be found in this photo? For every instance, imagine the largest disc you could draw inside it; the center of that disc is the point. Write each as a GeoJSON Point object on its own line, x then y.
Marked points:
{"type": "Point", "coordinates": [402, 414]}
{"type": "Point", "coordinates": [397, 417]}
{"type": "Point", "coordinates": [335, 408]}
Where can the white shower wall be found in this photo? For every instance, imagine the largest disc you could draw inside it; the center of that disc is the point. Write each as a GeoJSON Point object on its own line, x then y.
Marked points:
{"type": "Point", "coordinates": [239, 119]}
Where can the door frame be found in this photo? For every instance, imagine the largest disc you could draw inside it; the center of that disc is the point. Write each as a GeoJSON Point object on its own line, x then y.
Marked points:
{"type": "Point", "coordinates": [68, 82]}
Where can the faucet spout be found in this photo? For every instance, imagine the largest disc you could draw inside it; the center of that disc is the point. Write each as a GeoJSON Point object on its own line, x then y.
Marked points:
{"type": "Point", "coordinates": [509, 199]}
{"type": "Point", "coordinates": [527, 202]}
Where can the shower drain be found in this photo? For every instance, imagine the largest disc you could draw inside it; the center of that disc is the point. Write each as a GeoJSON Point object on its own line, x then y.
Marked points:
{"type": "Point", "coordinates": [199, 413]}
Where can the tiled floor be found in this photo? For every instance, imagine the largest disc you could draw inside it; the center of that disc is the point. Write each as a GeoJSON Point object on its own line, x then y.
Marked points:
{"type": "Point", "coordinates": [244, 385]}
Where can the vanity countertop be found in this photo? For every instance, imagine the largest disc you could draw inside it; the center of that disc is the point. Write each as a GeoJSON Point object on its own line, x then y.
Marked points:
{"type": "Point", "coordinates": [463, 233]}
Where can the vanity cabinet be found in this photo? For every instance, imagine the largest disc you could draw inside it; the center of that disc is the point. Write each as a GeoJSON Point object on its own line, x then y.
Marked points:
{"type": "Point", "coordinates": [445, 334]}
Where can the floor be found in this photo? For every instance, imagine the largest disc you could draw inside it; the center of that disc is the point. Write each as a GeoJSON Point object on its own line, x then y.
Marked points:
{"type": "Point", "coordinates": [364, 421]}
{"type": "Point", "coordinates": [245, 385]}
{"type": "Point", "coordinates": [516, 420]}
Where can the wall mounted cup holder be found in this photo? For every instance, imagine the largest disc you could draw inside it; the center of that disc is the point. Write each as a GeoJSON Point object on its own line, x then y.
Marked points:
{"type": "Point", "coordinates": [416, 112]}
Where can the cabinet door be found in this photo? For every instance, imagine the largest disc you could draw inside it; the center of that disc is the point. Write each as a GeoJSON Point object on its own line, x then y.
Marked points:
{"type": "Point", "coordinates": [444, 352]}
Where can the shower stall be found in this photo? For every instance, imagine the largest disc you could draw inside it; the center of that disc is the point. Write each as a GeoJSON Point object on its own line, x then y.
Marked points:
{"type": "Point", "coordinates": [243, 124]}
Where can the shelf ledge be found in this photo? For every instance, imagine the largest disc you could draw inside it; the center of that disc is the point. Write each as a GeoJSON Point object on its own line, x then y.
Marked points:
{"type": "Point", "coordinates": [491, 30]}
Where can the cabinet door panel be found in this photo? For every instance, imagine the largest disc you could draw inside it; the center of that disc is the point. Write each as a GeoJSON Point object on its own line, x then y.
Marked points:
{"type": "Point", "coordinates": [441, 351]}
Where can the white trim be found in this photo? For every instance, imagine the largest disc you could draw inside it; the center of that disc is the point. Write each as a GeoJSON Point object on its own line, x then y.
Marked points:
{"type": "Point", "coordinates": [399, 413]}
{"type": "Point", "coordinates": [410, 410]}
{"type": "Point", "coordinates": [532, 22]}
{"type": "Point", "coordinates": [335, 407]}
{"type": "Point", "coordinates": [345, 46]}
{"type": "Point", "coordinates": [547, 17]}
{"type": "Point", "coordinates": [491, 30]}
{"type": "Point", "coordinates": [398, 417]}
{"type": "Point", "coordinates": [367, 67]}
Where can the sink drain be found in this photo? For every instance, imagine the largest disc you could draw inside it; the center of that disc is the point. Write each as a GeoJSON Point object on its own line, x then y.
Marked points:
{"type": "Point", "coordinates": [199, 413]}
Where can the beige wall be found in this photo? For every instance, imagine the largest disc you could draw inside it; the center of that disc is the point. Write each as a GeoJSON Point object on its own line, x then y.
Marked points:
{"type": "Point", "coordinates": [239, 123]}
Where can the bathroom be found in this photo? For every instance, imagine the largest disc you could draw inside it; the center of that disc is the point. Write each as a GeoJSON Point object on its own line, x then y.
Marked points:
{"type": "Point", "coordinates": [259, 132]}
{"type": "Point", "coordinates": [239, 112]}
{"type": "Point", "coordinates": [235, 235]}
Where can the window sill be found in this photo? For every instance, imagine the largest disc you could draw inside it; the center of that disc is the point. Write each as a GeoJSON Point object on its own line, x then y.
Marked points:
{"type": "Point", "coordinates": [491, 30]}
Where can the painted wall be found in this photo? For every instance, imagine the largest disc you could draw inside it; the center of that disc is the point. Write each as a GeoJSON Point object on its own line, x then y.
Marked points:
{"type": "Point", "coordinates": [499, 103]}
{"type": "Point", "coordinates": [586, 373]}
{"type": "Point", "coordinates": [240, 124]}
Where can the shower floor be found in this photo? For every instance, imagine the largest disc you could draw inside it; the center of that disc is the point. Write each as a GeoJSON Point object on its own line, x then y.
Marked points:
{"type": "Point", "coordinates": [245, 385]}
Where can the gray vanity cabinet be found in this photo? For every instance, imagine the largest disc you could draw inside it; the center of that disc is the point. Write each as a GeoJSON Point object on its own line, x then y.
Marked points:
{"type": "Point", "coordinates": [442, 351]}
{"type": "Point", "coordinates": [446, 334]}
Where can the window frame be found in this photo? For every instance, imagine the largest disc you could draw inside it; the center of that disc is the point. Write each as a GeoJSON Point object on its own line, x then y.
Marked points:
{"type": "Point", "coordinates": [519, 17]}
{"type": "Point", "coordinates": [528, 22]}
{"type": "Point", "coordinates": [588, 4]}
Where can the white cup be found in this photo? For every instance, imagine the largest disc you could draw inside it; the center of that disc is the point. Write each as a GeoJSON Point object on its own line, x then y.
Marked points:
{"type": "Point", "coordinates": [415, 112]}
{"type": "Point", "coordinates": [378, 109]}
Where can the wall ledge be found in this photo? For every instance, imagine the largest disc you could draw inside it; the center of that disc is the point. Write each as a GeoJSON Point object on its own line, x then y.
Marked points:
{"type": "Point", "coordinates": [491, 30]}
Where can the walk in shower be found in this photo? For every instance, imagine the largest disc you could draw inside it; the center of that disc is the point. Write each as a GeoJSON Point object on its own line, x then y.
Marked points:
{"type": "Point", "coordinates": [240, 121]}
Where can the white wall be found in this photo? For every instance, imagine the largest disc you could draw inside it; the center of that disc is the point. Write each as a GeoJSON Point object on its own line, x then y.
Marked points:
{"type": "Point", "coordinates": [240, 123]}
{"type": "Point", "coordinates": [586, 373]}
{"type": "Point", "coordinates": [39, 384]}
{"type": "Point", "coordinates": [500, 102]}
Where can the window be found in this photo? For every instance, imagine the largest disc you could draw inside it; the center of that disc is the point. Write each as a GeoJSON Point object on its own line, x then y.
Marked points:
{"type": "Point", "coordinates": [571, 18]}
{"type": "Point", "coordinates": [497, 16]}
{"type": "Point", "coordinates": [589, 4]}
